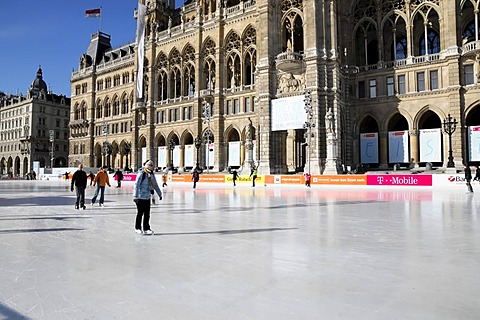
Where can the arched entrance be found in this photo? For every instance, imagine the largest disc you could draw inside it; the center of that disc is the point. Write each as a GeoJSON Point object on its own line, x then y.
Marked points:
{"type": "Point", "coordinates": [369, 143]}
{"type": "Point", "coordinates": [398, 141]}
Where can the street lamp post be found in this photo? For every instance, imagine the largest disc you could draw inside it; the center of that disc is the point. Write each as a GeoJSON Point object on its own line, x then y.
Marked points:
{"type": "Point", "coordinates": [52, 140]}
{"type": "Point", "coordinates": [449, 126]}
{"type": "Point", "coordinates": [171, 146]}
{"type": "Point", "coordinates": [309, 124]}
{"type": "Point", "coordinates": [127, 151]}
{"type": "Point", "coordinates": [207, 116]}
{"type": "Point", "coordinates": [198, 144]}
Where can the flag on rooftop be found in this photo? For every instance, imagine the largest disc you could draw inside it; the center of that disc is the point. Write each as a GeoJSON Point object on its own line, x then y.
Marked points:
{"type": "Point", "coordinates": [92, 13]}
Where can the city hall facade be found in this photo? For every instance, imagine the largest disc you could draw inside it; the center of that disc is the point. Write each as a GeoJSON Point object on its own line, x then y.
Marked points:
{"type": "Point", "coordinates": [288, 86]}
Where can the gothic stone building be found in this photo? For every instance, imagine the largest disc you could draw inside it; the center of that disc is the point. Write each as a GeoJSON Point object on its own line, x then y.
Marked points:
{"type": "Point", "coordinates": [27, 123]}
{"type": "Point", "coordinates": [387, 82]}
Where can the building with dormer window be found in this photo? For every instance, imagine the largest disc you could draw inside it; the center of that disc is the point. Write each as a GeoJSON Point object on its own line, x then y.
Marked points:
{"type": "Point", "coordinates": [224, 84]}
{"type": "Point", "coordinates": [34, 130]}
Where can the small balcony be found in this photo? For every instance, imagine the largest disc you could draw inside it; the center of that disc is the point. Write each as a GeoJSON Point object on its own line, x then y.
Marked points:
{"type": "Point", "coordinates": [289, 61]}
{"type": "Point", "coordinates": [471, 47]}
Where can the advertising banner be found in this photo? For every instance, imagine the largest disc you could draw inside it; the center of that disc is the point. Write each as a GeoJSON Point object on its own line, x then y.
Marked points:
{"type": "Point", "coordinates": [369, 147]}
{"type": "Point", "coordinates": [398, 151]}
{"type": "Point", "coordinates": [430, 145]}
{"type": "Point", "coordinates": [162, 157]}
{"type": "Point", "coordinates": [399, 180]}
{"type": "Point", "coordinates": [288, 113]}
{"type": "Point", "coordinates": [210, 155]}
{"type": "Point", "coordinates": [234, 153]}
{"type": "Point", "coordinates": [474, 143]}
{"type": "Point", "coordinates": [189, 155]}
{"type": "Point", "coordinates": [176, 156]}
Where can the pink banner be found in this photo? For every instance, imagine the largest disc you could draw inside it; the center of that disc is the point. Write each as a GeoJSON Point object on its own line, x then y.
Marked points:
{"type": "Point", "coordinates": [129, 177]}
{"type": "Point", "coordinates": [399, 180]}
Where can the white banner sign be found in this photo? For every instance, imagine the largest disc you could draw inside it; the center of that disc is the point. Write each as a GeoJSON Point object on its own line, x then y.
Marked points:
{"type": "Point", "coordinates": [369, 147]}
{"type": "Point", "coordinates": [430, 145]}
{"type": "Point", "coordinates": [162, 157]}
{"type": "Point", "coordinates": [474, 143]}
{"type": "Point", "coordinates": [288, 113]}
{"type": "Point", "coordinates": [210, 155]}
{"type": "Point", "coordinates": [189, 155]}
{"type": "Point", "coordinates": [234, 153]}
{"type": "Point", "coordinates": [398, 147]}
{"type": "Point", "coordinates": [176, 156]}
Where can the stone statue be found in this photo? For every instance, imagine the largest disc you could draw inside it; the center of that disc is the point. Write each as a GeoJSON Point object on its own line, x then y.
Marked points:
{"type": "Point", "coordinates": [289, 45]}
{"type": "Point", "coordinates": [232, 81]}
{"type": "Point", "coordinates": [249, 129]}
{"type": "Point", "coordinates": [329, 121]}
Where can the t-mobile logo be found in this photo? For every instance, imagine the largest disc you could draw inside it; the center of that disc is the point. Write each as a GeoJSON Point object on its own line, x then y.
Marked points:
{"type": "Point", "coordinates": [380, 180]}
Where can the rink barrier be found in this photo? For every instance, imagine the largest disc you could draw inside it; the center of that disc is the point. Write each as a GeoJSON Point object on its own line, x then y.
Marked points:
{"type": "Point", "coordinates": [407, 180]}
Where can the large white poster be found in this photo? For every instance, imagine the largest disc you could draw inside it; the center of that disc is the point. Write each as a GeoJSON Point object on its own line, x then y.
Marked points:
{"type": "Point", "coordinates": [189, 155]}
{"type": "Point", "coordinates": [398, 147]}
{"type": "Point", "coordinates": [162, 157]}
{"type": "Point", "coordinates": [430, 145]}
{"type": "Point", "coordinates": [369, 147]}
{"type": "Point", "coordinates": [288, 113]}
{"type": "Point", "coordinates": [210, 155]}
{"type": "Point", "coordinates": [474, 143]}
{"type": "Point", "coordinates": [176, 156]}
{"type": "Point", "coordinates": [234, 153]}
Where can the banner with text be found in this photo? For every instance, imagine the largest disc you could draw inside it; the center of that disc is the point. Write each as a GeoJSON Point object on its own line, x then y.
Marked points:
{"type": "Point", "coordinates": [474, 143]}
{"type": "Point", "coordinates": [189, 155]}
{"type": "Point", "coordinates": [430, 145]}
{"type": "Point", "coordinates": [398, 147]}
{"type": "Point", "coordinates": [288, 113]}
{"type": "Point", "coordinates": [234, 153]}
{"type": "Point", "coordinates": [399, 180]}
{"type": "Point", "coordinates": [369, 147]}
{"type": "Point", "coordinates": [162, 157]}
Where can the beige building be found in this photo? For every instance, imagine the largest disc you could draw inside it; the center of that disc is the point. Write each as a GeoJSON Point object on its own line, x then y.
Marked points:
{"type": "Point", "coordinates": [31, 126]}
{"type": "Point", "coordinates": [382, 79]}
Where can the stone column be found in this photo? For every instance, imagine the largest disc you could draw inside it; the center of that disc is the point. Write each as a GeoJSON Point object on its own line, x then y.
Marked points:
{"type": "Point", "coordinates": [383, 150]}
{"type": "Point", "coordinates": [290, 150]}
{"type": "Point", "coordinates": [414, 156]}
{"type": "Point", "coordinates": [331, 165]}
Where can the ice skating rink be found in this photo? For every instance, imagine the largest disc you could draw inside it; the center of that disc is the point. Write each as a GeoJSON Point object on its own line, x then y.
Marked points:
{"type": "Point", "coordinates": [275, 252]}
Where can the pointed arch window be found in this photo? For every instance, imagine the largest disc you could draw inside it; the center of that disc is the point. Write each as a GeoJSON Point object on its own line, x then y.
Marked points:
{"type": "Point", "coordinates": [99, 110]}
{"type": "Point", "coordinates": [162, 86]}
{"type": "Point", "coordinates": [432, 43]}
{"type": "Point", "coordinates": [401, 47]}
{"type": "Point", "coordinates": [83, 113]}
{"type": "Point", "coordinates": [469, 32]}
{"type": "Point", "coordinates": [189, 80]}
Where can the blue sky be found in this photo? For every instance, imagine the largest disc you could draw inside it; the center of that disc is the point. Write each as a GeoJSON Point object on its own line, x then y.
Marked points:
{"type": "Point", "coordinates": [54, 34]}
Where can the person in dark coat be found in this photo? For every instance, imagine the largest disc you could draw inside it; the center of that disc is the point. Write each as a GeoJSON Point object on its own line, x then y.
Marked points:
{"type": "Point", "coordinates": [477, 174]}
{"type": "Point", "coordinates": [195, 177]}
{"type": "Point", "coordinates": [234, 177]}
{"type": "Point", "coordinates": [119, 176]}
{"type": "Point", "coordinates": [253, 174]}
{"type": "Point", "coordinates": [79, 180]}
{"type": "Point", "coordinates": [468, 178]}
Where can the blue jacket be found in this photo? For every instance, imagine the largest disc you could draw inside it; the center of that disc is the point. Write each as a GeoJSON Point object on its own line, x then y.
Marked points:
{"type": "Point", "coordinates": [144, 184]}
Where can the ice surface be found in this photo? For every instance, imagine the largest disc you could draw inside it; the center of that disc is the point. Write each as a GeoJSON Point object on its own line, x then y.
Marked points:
{"type": "Point", "coordinates": [275, 252]}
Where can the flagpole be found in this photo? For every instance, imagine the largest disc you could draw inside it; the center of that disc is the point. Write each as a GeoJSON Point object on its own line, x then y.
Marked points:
{"type": "Point", "coordinates": [101, 14]}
